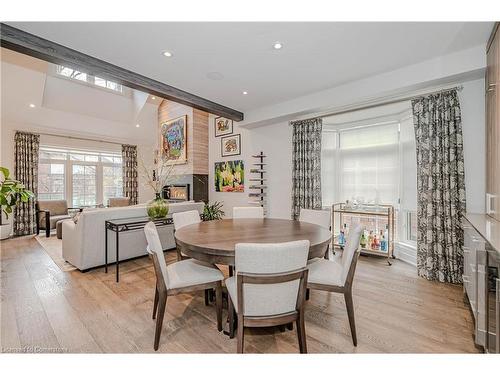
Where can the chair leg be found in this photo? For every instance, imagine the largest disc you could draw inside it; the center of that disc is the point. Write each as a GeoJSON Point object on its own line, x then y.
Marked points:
{"type": "Point", "coordinates": [218, 304]}
{"type": "Point", "coordinates": [230, 312]}
{"type": "Point", "coordinates": [307, 294]}
{"type": "Point", "coordinates": [206, 297]}
{"type": "Point", "coordinates": [47, 225]}
{"type": "Point", "coordinates": [327, 253]}
{"type": "Point", "coordinates": [155, 303]}
{"type": "Point", "coordinates": [241, 334]}
{"type": "Point", "coordinates": [350, 313]}
{"type": "Point", "coordinates": [301, 333]}
{"type": "Point", "coordinates": [162, 302]}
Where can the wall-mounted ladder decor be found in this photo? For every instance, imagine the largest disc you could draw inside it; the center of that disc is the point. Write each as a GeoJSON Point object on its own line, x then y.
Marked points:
{"type": "Point", "coordinates": [257, 195]}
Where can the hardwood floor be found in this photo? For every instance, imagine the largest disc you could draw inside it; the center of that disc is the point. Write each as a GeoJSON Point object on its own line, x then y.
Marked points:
{"type": "Point", "coordinates": [44, 309]}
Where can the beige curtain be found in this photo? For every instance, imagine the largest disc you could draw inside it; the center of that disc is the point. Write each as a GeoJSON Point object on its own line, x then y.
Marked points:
{"type": "Point", "coordinates": [129, 166]}
{"type": "Point", "coordinates": [26, 148]}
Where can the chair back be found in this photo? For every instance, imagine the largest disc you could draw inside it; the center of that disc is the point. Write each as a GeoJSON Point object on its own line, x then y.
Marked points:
{"type": "Point", "coordinates": [55, 207]}
{"type": "Point", "coordinates": [181, 219]}
{"type": "Point", "coordinates": [351, 252]}
{"type": "Point", "coordinates": [318, 217]}
{"type": "Point", "coordinates": [119, 202]}
{"type": "Point", "coordinates": [155, 250]}
{"type": "Point", "coordinates": [248, 212]}
{"type": "Point", "coordinates": [271, 277]}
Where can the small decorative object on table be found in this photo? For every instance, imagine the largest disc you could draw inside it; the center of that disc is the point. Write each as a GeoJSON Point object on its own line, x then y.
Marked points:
{"type": "Point", "coordinates": [160, 176]}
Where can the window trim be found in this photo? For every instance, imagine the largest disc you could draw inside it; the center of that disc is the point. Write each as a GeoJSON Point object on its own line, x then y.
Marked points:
{"type": "Point", "coordinates": [90, 81]}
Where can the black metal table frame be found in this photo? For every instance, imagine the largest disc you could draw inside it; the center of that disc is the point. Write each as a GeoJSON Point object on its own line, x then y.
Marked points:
{"type": "Point", "coordinates": [118, 228]}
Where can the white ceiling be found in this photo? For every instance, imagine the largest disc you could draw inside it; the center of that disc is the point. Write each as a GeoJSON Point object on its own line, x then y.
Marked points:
{"type": "Point", "coordinates": [68, 106]}
{"type": "Point", "coordinates": [315, 56]}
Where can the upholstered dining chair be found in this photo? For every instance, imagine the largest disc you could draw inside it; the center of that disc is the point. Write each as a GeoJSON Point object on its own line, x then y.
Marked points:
{"type": "Point", "coordinates": [269, 287]}
{"type": "Point", "coordinates": [179, 277]}
{"type": "Point", "coordinates": [248, 212]}
{"type": "Point", "coordinates": [181, 219]}
{"type": "Point", "coordinates": [318, 217]}
{"type": "Point", "coordinates": [338, 276]}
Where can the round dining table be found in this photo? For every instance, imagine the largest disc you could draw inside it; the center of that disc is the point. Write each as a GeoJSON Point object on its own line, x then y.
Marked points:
{"type": "Point", "coordinates": [214, 241]}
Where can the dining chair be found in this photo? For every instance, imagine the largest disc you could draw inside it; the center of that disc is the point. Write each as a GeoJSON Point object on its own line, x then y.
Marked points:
{"type": "Point", "coordinates": [180, 277]}
{"type": "Point", "coordinates": [181, 219]}
{"type": "Point", "coordinates": [318, 217]}
{"type": "Point", "coordinates": [338, 276]}
{"type": "Point", "coordinates": [269, 287]}
{"type": "Point", "coordinates": [248, 212]}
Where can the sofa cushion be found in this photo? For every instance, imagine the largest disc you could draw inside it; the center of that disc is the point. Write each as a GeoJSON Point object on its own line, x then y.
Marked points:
{"type": "Point", "coordinates": [53, 220]}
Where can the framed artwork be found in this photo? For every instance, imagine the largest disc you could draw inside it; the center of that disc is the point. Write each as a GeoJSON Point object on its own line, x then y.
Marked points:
{"type": "Point", "coordinates": [230, 145]}
{"type": "Point", "coordinates": [223, 126]}
{"type": "Point", "coordinates": [229, 176]}
{"type": "Point", "coordinates": [173, 140]}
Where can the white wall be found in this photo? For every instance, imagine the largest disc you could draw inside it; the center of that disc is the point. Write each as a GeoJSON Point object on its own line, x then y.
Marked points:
{"type": "Point", "coordinates": [275, 141]}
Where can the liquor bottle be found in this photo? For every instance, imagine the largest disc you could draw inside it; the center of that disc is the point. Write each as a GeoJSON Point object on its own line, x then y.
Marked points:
{"type": "Point", "coordinates": [346, 229]}
{"type": "Point", "coordinates": [370, 240]}
{"type": "Point", "coordinates": [383, 244]}
{"type": "Point", "coordinates": [376, 242]}
{"type": "Point", "coordinates": [341, 238]}
{"type": "Point", "coordinates": [362, 241]}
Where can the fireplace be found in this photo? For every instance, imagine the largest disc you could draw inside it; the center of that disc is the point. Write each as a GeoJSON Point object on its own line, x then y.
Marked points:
{"type": "Point", "coordinates": [176, 193]}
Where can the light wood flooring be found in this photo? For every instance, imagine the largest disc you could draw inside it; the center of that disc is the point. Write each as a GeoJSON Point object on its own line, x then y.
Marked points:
{"type": "Point", "coordinates": [44, 309]}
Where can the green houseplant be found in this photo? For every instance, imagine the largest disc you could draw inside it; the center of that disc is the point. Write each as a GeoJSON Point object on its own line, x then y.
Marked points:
{"type": "Point", "coordinates": [213, 211]}
{"type": "Point", "coordinates": [11, 193]}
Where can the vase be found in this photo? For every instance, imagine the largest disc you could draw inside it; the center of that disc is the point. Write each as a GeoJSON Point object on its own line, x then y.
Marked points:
{"type": "Point", "coordinates": [157, 208]}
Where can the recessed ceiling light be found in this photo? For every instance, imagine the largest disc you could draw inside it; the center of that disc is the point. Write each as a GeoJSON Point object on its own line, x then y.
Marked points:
{"type": "Point", "coordinates": [278, 45]}
{"type": "Point", "coordinates": [153, 97]}
{"type": "Point", "coordinates": [245, 93]}
{"type": "Point", "coordinates": [137, 125]}
{"type": "Point", "coordinates": [168, 54]}
{"type": "Point", "coordinates": [32, 105]}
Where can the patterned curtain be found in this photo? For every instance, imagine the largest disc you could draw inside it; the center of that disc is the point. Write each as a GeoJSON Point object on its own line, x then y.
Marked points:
{"type": "Point", "coordinates": [440, 186]}
{"type": "Point", "coordinates": [306, 165]}
{"type": "Point", "coordinates": [26, 147]}
{"type": "Point", "coordinates": [129, 165]}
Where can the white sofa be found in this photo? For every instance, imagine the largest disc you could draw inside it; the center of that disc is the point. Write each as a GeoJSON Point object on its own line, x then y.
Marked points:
{"type": "Point", "coordinates": [83, 242]}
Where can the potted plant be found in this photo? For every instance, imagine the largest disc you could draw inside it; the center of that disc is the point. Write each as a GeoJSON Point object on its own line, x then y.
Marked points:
{"type": "Point", "coordinates": [156, 177]}
{"type": "Point", "coordinates": [213, 211]}
{"type": "Point", "coordinates": [11, 193]}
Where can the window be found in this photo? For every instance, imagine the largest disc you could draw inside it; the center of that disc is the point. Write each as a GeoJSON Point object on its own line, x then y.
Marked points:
{"type": "Point", "coordinates": [361, 164]}
{"type": "Point", "coordinates": [88, 78]}
{"type": "Point", "coordinates": [83, 178]}
{"type": "Point", "coordinates": [372, 163]}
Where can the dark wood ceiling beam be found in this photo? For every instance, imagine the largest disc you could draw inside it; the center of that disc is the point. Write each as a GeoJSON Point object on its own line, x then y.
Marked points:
{"type": "Point", "coordinates": [32, 45]}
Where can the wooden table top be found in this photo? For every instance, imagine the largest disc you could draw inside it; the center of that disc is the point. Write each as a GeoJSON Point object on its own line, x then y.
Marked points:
{"type": "Point", "coordinates": [214, 241]}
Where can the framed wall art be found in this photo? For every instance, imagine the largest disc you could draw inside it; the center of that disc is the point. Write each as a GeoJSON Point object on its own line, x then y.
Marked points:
{"type": "Point", "coordinates": [231, 145]}
{"type": "Point", "coordinates": [173, 140]}
{"type": "Point", "coordinates": [229, 176]}
{"type": "Point", "coordinates": [223, 126]}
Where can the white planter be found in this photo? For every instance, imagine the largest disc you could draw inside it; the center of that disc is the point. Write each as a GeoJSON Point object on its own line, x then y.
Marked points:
{"type": "Point", "coordinates": [4, 231]}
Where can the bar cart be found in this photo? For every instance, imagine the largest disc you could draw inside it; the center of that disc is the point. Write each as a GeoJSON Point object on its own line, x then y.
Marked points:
{"type": "Point", "coordinates": [369, 212]}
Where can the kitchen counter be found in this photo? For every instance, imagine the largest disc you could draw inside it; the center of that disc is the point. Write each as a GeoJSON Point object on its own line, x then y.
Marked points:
{"type": "Point", "coordinates": [487, 227]}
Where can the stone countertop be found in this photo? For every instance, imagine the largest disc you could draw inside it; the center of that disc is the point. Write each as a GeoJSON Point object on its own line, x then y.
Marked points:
{"type": "Point", "coordinates": [488, 227]}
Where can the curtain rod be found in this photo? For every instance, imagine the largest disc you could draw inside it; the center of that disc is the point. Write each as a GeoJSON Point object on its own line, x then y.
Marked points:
{"type": "Point", "coordinates": [381, 103]}
{"type": "Point", "coordinates": [79, 138]}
